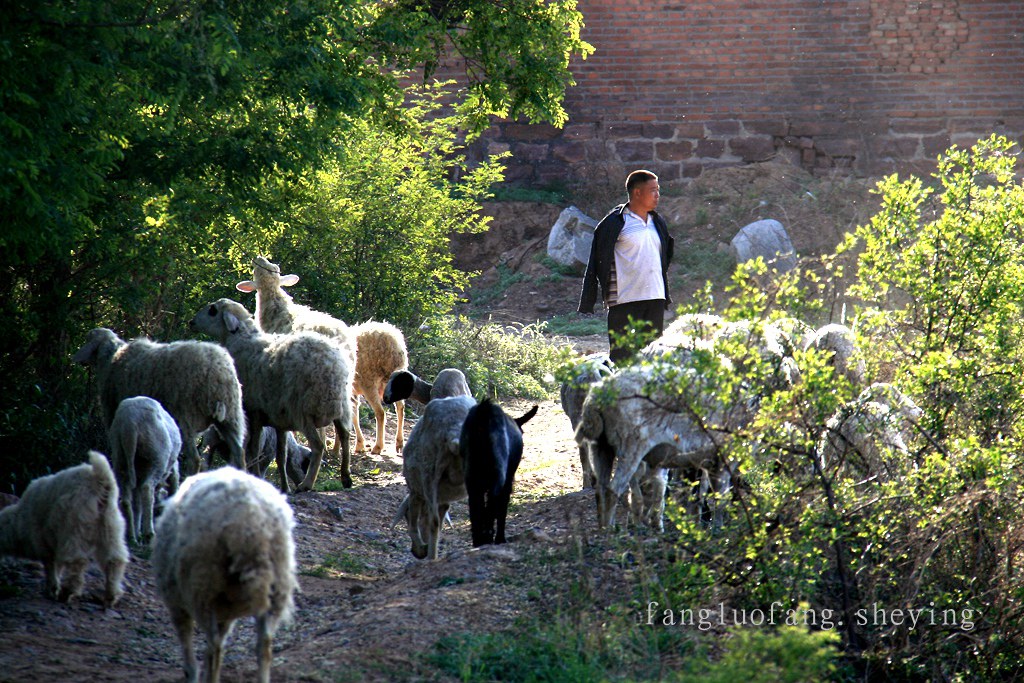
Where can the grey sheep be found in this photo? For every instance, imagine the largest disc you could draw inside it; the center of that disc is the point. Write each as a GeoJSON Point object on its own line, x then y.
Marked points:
{"type": "Point", "coordinates": [144, 446]}
{"type": "Point", "coordinates": [224, 550]}
{"type": "Point", "coordinates": [194, 381]}
{"type": "Point", "coordinates": [378, 348]}
{"type": "Point", "coordinates": [300, 382]}
{"type": "Point", "coordinates": [433, 471]}
{"type": "Point", "coordinates": [212, 445]}
{"type": "Point", "coordinates": [66, 519]}
{"type": "Point", "coordinates": [573, 392]}
{"type": "Point", "coordinates": [403, 385]}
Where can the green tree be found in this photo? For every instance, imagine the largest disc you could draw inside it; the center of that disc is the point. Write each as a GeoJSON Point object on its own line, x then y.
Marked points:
{"type": "Point", "coordinates": [139, 141]}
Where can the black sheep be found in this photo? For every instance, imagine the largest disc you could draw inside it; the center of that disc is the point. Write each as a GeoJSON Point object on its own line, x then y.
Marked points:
{"type": "Point", "coordinates": [491, 445]}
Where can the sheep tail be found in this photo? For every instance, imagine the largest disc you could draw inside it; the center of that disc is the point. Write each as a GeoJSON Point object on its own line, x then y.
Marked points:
{"type": "Point", "coordinates": [220, 412]}
{"type": "Point", "coordinates": [127, 444]}
{"type": "Point", "coordinates": [403, 510]}
{"type": "Point", "coordinates": [105, 485]}
{"type": "Point", "coordinates": [591, 424]}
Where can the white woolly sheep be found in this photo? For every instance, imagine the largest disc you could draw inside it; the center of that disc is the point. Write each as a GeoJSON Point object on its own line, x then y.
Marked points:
{"type": "Point", "coordinates": [194, 381]}
{"type": "Point", "coordinates": [403, 385]}
{"type": "Point", "coordinates": [839, 341]}
{"type": "Point", "coordinates": [627, 419]}
{"type": "Point", "coordinates": [433, 471]}
{"type": "Point", "coordinates": [298, 382]}
{"type": "Point", "coordinates": [669, 414]}
{"type": "Point", "coordinates": [879, 422]}
{"type": "Point", "coordinates": [212, 446]}
{"type": "Point", "coordinates": [66, 519]}
{"type": "Point", "coordinates": [144, 446]}
{"type": "Point", "coordinates": [224, 550]}
{"type": "Point", "coordinates": [378, 348]}
{"type": "Point", "coordinates": [590, 370]}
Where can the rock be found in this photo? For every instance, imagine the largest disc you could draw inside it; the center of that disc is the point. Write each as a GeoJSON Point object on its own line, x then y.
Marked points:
{"type": "Point", "coordinates": [767, 239]}
{"type": "Point", "coordinates": [570, 238]}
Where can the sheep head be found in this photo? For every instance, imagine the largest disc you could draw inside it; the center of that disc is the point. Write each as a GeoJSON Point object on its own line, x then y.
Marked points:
{"type": "Point", "coordinates": [98, 343]}
{"type": "Point", "coordinates": [222, 319]}
{"type": "Point", "coordinates": [266, 277]}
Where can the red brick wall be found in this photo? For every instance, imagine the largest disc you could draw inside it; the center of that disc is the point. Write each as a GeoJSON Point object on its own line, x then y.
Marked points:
{"type": "Point", "coordinates": [848, 86]}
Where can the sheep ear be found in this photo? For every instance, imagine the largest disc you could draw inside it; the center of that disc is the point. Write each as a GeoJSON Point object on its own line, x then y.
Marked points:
{"type": "Point", "coordinates": [231, 322]}
{"type": "Point", "coordinates": [246, 286]}
{"type": "Point", "coordinates": [288, 280]}
{"type": "Point", "coordinates": [84, 354]}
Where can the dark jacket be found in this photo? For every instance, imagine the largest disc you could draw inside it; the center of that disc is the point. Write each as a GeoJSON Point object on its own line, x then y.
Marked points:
{"type": "Point", "coordinates": [602, 256]}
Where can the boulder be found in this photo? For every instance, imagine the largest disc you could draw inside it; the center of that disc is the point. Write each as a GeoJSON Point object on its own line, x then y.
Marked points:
{"type": "Point", "coordinates": [570, 238]}
{"type": "Point", "coordinates": [767, 239]}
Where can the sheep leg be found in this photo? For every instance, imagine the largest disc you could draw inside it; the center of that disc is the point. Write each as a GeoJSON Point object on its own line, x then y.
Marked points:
{"type": "Point", "coordinates": [601, 457]}
{"type": "Point", "coordinates": [315, 459]}
{"type": "Point", "coordinates": [499, 511]}
{"type": "Point", "coordinates": [381, 418]}
{"type": "Point", "coordinates": [72, 579]}
{"type": "Point", "coordinates": [264, 643]}
{"type": "Point", "coordinates": [434, 532]}
{"type": "Point", "coordinates": [346, 454]}
{"type": "Point", "coordinates": [189, 458]}
{"type": "Point", "coordinates": [479, 520]}
{"type": "Point", "coordinates": [215, 636]}
{"type": "Point", "coordinates": [400, 433]}
{"type": "Point", "coordinates": [252, 442]}
{"type": "Point", "coordinates": [356, 429]}
{"type": "Point", "coordinates": [281, 457]}
{"type": "Point", "coordinates": [588, 471]}
{"type": "Point", "coordinates": [128, 510]}
{"type": "Point", "coordinates": [113, 572]}
{"type": "Point", "coordinates": [184, 625]}
{"type": "Point", "coordinates": [146, 505]}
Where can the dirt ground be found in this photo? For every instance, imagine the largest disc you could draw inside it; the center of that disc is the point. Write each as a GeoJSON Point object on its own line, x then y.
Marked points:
{"type": "Point", "coordinates": [367, 609]}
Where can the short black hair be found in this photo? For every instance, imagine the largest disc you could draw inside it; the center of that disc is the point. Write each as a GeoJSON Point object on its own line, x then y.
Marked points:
{"type": "Point", "coordinates": [637, 178]}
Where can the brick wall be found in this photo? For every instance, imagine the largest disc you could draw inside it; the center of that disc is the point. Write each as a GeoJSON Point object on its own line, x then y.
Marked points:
{"type": "Point", "coordinates": [848, 86]}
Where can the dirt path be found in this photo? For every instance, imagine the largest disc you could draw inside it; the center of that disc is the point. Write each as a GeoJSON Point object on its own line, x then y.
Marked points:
{"type": "Point", "coordinates": [367, 608]}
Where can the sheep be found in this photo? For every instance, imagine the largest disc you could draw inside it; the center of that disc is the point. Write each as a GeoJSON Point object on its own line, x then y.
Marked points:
{"type": "Point", "coordinates": [403, 385]}
{"type": "Point", "coordinates": [292, 382]}
{"type": "Point", "coordinates": [664, 413]}
{"type": "Point", "coordinates": [879, 421]}
{"type": "Point", "coordinates": [574, 391]}
{"type": "Point", "coordinates": [194, 381]}
{"type": "Point", "coordinates": [211, 445]}
{"type": "Point", "coordinates": [224, 550]}
{"type": "Point", "coordinates": [377, 348]}
{"type": "Point", "coordinates": [839, 342]}
{"type": "Point", "coordinates": [144, 447]}
{"type": "Point", "coordinates": [491, 446]}
{"type": "Point", "coordinates": [433, 471]}
{"type": "Point", "coordinates": [66, 519]}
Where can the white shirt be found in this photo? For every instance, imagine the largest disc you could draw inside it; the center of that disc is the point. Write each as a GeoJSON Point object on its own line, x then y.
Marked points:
{"type": "Point", "coordinates": [638, 260]}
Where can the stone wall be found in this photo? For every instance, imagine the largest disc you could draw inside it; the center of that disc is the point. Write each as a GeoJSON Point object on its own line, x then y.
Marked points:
{"type": "Point", "coordinates": [837, 86]}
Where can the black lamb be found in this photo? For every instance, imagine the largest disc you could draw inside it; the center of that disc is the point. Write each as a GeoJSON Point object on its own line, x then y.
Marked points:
{"type": "Point", "coordinates": [491, 445]}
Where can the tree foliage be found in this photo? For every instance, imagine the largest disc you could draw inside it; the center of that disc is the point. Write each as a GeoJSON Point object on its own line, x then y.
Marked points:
{"type": "Point", "coordinates": [928, 530]}
{"type": "Point", "coordinates": [147, 149]}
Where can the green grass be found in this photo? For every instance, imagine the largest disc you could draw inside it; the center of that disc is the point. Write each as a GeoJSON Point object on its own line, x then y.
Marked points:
{"type": "Point", "coordinates": [576, 325]}
{"type": "Point", "coordinates": [703, 261]}
{"type": "Point", "coordinates": [545, 195]}
{"type": "Point", "coordinates": [334, 566]}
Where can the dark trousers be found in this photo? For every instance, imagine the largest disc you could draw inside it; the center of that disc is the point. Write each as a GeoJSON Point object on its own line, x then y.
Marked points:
{"type": "Point", "coordinates": [651, 312]}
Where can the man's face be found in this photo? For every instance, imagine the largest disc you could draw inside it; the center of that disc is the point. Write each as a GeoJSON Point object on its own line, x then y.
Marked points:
{"type": "Point", "coordinates": [645, 196]}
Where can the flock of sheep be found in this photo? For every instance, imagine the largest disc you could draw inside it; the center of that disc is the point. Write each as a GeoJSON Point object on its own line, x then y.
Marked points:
{"type": "Point", "coordinates": [635, 424]}
{"type": "Point", "coordinates": [222, 545]}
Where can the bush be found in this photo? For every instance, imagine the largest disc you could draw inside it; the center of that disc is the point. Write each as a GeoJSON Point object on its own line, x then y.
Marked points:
{"type": "Point", "coordinates": [930, 534]}
{"type": "Point", "coordinates": [498, 361]}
